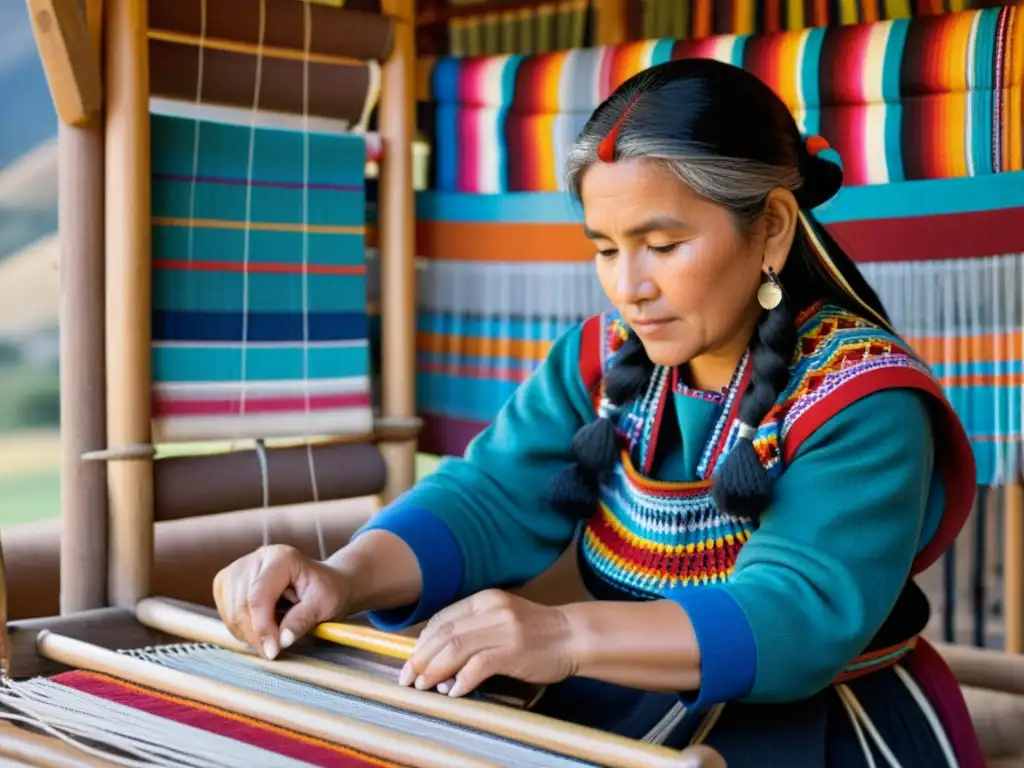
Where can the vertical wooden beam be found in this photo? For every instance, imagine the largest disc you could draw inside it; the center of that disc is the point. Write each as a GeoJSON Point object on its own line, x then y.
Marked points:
{"type": "Point", "coordinates": [128, 305]}
{"type": "Point", "coordinates": [83, 539]}
{"type": "Point", "coordinates": [397, 224]}
{"type": "Point", "coordinates": [1013, 565]}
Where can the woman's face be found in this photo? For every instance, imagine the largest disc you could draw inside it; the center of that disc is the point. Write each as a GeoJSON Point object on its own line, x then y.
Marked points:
{"type": "Point", "coordinates": [676, 266]}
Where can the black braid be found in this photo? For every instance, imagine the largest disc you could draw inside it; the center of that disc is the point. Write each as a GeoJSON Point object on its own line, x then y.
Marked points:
{"type": "Point", "coordinates": [741, 485]}
{"type": "Point", "coordinates": [576, 489]}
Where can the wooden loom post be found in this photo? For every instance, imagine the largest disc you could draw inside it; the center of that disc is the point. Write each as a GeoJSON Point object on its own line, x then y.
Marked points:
{"type": "Point", "coordinates": [396, 222]}
{"type": "Point", "coordinates": [1013, 565]}
{"type": "Point", "coordinates": [128, 307]}
{"type": "Point", "coordinates": [83, 538]}
{"type": "Point", "coordinates": [610, 22]}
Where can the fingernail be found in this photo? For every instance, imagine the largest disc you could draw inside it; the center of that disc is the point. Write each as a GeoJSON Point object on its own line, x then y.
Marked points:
{"type": "Point", "coordinates": [421, 682]}
{"type": "Point", "coordinates": [446, 685]}
{"type": "Point", "coordinates": [287, 638]}
{"type": "Point", "coordinates": [269, 648]}
{"type": "Point", "coordinates": [456, 689]}
{"type": "Point", "coordinates": [406, 675]}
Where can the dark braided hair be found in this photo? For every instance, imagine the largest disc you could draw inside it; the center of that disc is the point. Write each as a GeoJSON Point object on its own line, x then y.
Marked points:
{"type": "Point", "coordinates": [732, 140]}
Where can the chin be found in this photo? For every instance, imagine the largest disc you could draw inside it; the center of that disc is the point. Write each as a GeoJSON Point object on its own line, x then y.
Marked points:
{"type": "Point", "coordinates": [667, 353]}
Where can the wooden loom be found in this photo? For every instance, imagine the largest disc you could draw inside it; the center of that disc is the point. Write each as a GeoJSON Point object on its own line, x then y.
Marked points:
{"type": "Point", "coordinates": [107, 541]}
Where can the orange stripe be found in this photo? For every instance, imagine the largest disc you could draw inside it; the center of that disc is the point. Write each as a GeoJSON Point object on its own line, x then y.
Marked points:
{"type": "Point", "coordinates": [227, 714]}
{"type": "Point", "coordinates": [482, 346]}
{"type": "Point", "coordinates": [516, 242]}
{"type": "Point", "coordinates": [951, 350]}
{"type": "Point", "coordinates": [256, 266]}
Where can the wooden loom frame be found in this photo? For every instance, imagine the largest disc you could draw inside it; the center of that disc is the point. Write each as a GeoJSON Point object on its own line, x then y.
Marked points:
{"type": "Point", "coordinates": [108, 504]}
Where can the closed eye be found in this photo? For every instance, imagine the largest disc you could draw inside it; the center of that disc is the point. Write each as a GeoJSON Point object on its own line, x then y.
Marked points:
{"type": "Point", "coordinates": [664, 249]}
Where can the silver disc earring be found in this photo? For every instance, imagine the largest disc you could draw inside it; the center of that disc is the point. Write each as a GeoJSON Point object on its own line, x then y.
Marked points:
{"type": "Point", "coordinates": [769, 295]}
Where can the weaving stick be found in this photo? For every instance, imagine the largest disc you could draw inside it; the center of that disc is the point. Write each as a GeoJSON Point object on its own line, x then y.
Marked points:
{"type": "Point", "coordinates": [542, 732]}
{"type": "Point", "coordinates": [308, 721]}
{"type": "Point", "coordinates": [367, 639]}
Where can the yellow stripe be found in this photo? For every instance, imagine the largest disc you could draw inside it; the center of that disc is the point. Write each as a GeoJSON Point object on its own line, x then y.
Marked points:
{"type": "Point", "coordinates": [664, 549]}
{"type": "Point", "coordinates": [260, 226]}
{"type": "Point", "coordinates": [650, 574]}
{"type": "Point", "coordinates": [268, 51]}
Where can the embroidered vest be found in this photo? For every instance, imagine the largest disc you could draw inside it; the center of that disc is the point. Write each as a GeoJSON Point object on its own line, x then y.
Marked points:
{"type": "Point", "coordinates": [648, 536]}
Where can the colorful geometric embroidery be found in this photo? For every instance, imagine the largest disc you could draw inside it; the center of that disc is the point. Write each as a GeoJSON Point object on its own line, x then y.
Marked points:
{"type": "Point", "coordinates": [649, 536]}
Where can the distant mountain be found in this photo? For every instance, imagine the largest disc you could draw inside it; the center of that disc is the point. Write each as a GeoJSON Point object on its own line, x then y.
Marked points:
{"type": "Point", "coordinates": [28, 130]}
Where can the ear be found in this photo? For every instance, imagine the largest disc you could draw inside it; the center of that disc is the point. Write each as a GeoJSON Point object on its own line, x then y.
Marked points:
{"type": "Point", "coordinates": [780, 219]}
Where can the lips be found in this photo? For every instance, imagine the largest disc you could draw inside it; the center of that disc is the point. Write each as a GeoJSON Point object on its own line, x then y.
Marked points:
{"type": "Point", "coordinates": [649, 326]}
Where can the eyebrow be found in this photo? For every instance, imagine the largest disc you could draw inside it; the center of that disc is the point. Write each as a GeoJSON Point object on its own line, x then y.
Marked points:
{"type": "Point", "coordinates": [656, 224]}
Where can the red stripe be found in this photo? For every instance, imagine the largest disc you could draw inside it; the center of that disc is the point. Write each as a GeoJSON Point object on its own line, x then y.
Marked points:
{"type": "Point", "coordinates": [275, 268]}
{"type": "Point", "coordinates": [716, 560]}
{"type": "Point", "coordinates": [208, 719]}
{"type": "Point", "coordinates": [254, 405]}
{"type": "Point", "coordinates": [924, 238]}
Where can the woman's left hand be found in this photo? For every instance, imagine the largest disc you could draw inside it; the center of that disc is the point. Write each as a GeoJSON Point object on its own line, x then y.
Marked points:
{"type": "Point", "coordinates": [491, 633]}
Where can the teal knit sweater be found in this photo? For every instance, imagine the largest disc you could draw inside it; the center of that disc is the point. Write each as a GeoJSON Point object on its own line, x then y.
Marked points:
{"type": "Point", "coordinates": [811, 586]}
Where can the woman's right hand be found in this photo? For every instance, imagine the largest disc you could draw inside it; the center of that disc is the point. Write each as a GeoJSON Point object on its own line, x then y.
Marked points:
{"type": "Point", "coordinates": [247, 592]}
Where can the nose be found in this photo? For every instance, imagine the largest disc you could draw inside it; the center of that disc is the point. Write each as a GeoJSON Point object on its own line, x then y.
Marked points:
{"type": "Point", "coordinates": [634, 283]}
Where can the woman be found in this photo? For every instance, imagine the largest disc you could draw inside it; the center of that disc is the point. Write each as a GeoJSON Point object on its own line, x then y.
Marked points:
{"type": "Point", "coordinates": [752, 464]}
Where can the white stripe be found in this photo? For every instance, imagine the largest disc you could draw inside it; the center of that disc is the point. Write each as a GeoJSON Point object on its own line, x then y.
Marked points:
{"type": "Point", "coordinates": [929, 713]}
{"type": "Point", "coordinates": [340, 423]}
{"type": "Point", "coordinates": [229, 345]}
{"type": "Point", "coordinates": [263, 118]}
{"type": "Point", "coordinates": [214, 390]}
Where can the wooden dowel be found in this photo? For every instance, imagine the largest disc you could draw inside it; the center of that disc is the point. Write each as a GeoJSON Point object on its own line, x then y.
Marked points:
{"type": "Point", "coordinates": [396, 225]}
{"type": "Point", "coordinates": [83, 408]}
{"type": "Point", "coordinates": [981, 668]}
{"type": "Point", "coordinates": [367, 639]}
{"type": "Point", "coordinates": [363, 737]}
{"type": "Point", "coordinates": [128, 306]}
{"type": "Point", "coordinates": [519, 725]}
{"type": "Point", "coordinates": [1013, 565]}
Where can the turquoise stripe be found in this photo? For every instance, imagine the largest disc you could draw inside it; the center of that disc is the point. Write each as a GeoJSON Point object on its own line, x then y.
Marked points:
{"type": "Point", "coordinates": [977, 368]}
{"type": "Point", "coordinates": [490, 327]}
{"type": "Point", "coordinates": [462, 398]}
{"type": "Point", "coordinates": [327, 207]}
{"type": "Point", "coordinates": [662, 52]}
{"type": "Point", "coordinates": [477, 361]}
{"type": "Point", "coordinates": [277, 154]}
{"type": "Point", "coordinates": [810, 65]}
{"type": "Point", "coordinates": [739, 47]}
{"type": "Point", "coordinates": [879, 201]}
{"type": "Point", "coordinates": [264, 247]}
{"type": "Point", "coordinates": [181, 290]}
{"type": "Point", "coordinates": [893, 121]}
{"type": "Point", "coordinates": [220, 364]}
{"type": "Point", "coordinates": [982, 97]}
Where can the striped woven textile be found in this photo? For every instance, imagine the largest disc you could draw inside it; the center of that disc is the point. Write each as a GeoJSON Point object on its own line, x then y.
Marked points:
{"type": "Point", "coordinates": [878, 92]}
{"type": "Point", "coordinates": [502, 275]}
{"type": "Point", "coordinates": [259, 281]}
{"type": "Point", "coordinates": [926, 114]}
{"type": "Point", "coordinates": [263, 744]}
{"type": "Point", "coordinates": [684, 19]}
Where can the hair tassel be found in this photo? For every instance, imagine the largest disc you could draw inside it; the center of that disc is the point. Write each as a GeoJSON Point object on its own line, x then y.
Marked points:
{"type": "Point", "coordinates": [606, 149]}
{"type": "Point", "coordinates": [744, 475]}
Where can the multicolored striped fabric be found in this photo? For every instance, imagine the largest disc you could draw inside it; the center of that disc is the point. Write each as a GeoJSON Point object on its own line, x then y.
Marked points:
{"type": "Point", "coordinates": [703, 18]}
{"type": "Point", "coordinates": [501, 275]}
{"type": "Point", "coordinates": [265, 744]}
{"type": "Point", "coordinates": [259, 280]}
{"type": "Point", "coordinates": [877, 92]}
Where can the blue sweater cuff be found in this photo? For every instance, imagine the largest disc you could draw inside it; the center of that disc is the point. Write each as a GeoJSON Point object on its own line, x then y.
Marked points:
{"type": "Point", "coordinates": [439, 557]}
{"type": "Point", "coordinates": [728, 653]}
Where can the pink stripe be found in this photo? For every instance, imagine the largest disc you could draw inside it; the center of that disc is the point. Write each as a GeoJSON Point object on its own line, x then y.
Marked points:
{"type": "Point", "coordinates": [233, 406]}
{"type": "Point", "coordinates": [469, 160]}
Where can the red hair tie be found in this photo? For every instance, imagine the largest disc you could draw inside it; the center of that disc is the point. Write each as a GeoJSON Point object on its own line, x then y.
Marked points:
{"type": "Point", "coordinates": [816, 144]}
{"type": "Point", "coordinates": [606, 149]}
